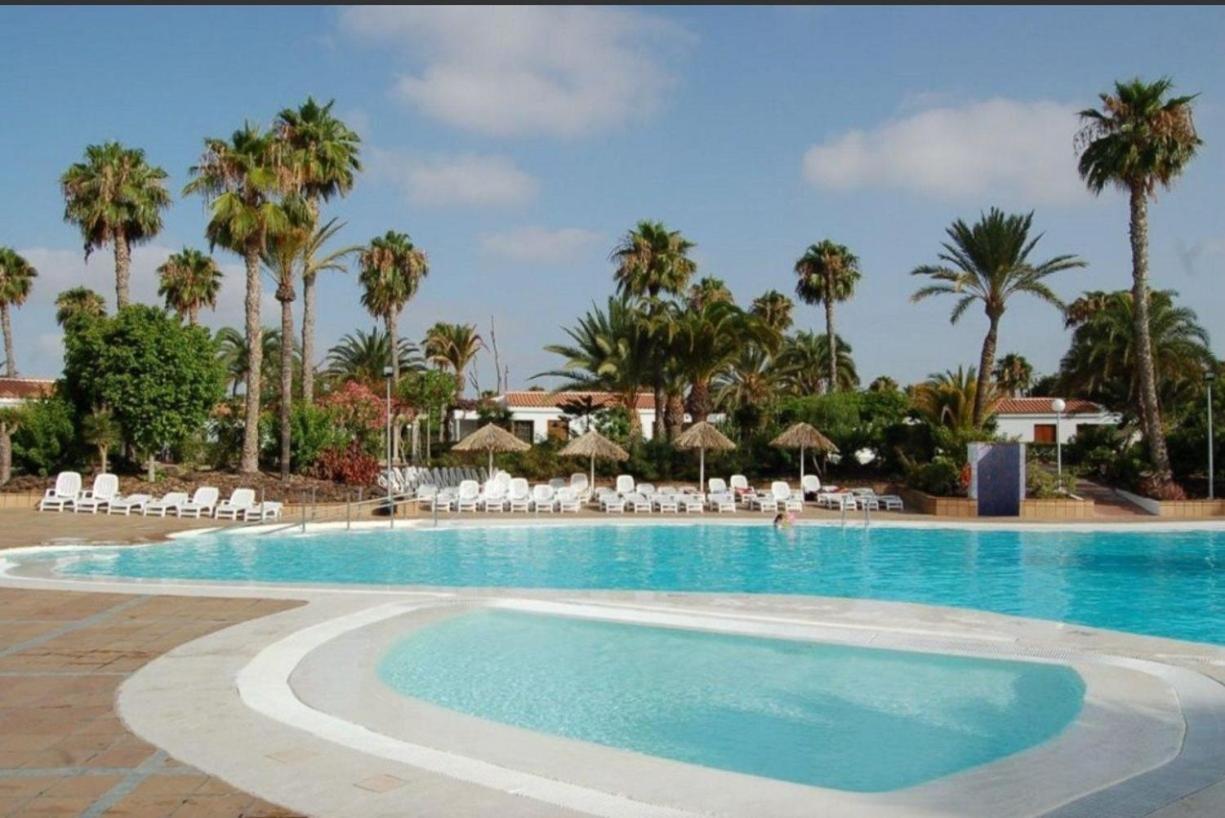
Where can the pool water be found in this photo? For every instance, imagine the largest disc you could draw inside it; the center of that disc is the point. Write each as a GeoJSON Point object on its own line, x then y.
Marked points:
{"type": "Point", "coordinates": [1159, 583]}
{"type": "Point", "coordinates": [848, 718]}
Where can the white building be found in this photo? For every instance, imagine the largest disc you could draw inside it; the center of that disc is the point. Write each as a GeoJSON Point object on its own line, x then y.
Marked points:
{"type": "Point", "coordinates": [1032, 420]}
{"type": "Point", "coordinates": [535, 416]}
{"type": "Point", "coordinates": [16, 391]}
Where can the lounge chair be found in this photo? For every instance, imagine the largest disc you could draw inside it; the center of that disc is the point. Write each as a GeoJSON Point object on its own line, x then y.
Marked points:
{"type": "Point", "coordinates": [716, 485]}
{"type": "Point", "coordinates": [836, 499]}
{"type": "Point", "coordinates": [568, 500]}
{"type": "Point", "coordinates": [519, 495]}
{"type": "Point", "coordinates": [645, 489]}
{"type": "Point", "coordinates": [665, 502]}
{"type": "Point", "coordinates": [785, 498]}
{"type": "Point", "coordinates": [723, 503]}
{"type": "Point", "coordinates": [609, 501]}
{"type": "Point", "coordinates": [543, 498]}
{"type": "Point", "coordinates": [434, 498]}
{"type": "Point", "coordinates": [469, 497]}
{"type": "Point", "coordinates": [868, 498]}
{"type": "Point", "coordinates": [625, 484]}
{"type": "Point", "coordinates": [267, 510]}
{"type": "Point", "coordinates": [171, 501]}
{"type": "Point", "coordinates": [125, 505]}
{"type": "Point", "coordinates": [638, 503]}
{"type": "Point", "coordinates": [493, 496]}
{"type": "Point", "coordinates": [204, 502]}
{"type": "Point", "coordinates": [66, 492]}
{"type": "Point", "coordinates": [105, 489]}
{"type": "Point", "coordinates": [763, 502]}
{"type": "Point", "coordinates": [239, 501]}
{"type": "Point", "coordinates": [692, 502]}
{"type": "Point", "coordinates": [741, 490]}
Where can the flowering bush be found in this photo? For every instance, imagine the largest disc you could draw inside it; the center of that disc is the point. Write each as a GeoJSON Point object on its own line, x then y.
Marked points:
{"type": "Point", "coordinates": [358, 412]}
{"type": "Point", "coordinates": [350, 465]}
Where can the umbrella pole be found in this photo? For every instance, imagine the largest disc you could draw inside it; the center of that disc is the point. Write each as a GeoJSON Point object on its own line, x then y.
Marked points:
{"type": "Point", "coordinates": [490, 477]}
{"type": "Point", "coordinates": [591, 481]}
{"type": "Point", "coordinates": [801, 469]}
{"type": "Point", "coordinates": [702, 469]}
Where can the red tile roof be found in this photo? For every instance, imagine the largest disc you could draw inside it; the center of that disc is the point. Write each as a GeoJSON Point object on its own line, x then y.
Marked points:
{"type": "Point", "coordinates": [25, 388]}
{"type": "Point", "coordinates": [552, 400]}
{"type": "Point", "coordinates": [1042, 406]}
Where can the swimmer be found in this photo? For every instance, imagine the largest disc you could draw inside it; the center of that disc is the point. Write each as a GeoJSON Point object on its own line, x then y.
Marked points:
{"type": "Point", "coordinates": [782, 521]}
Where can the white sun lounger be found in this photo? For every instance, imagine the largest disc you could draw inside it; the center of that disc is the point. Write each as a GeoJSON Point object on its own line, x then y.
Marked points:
{"type": "Point", "coordinates": [267, 510]}
{"type": "Point", "coordinates": [625, 484]}
{"type": "Point", "coordinates": [692, 502]}
{"type": "Point", "coordinates": [519, 495]}
{"type": "Point", "coordinates": [568, 501]}
{"type": "Point", "coordinates": [125, 505]}
{"type": "Point", "coordinates": [469, 496]}
{"type": "Point", "coordinates": [106, 488]}
{"type": "Point", "coordinates": [493, 497]}
{"type": "Point", "coordinates": [665, 502]}
{"type": "Point", "coordinates": [171, 501]}
{"type": "Point", "coordinates": [638, 503]}
{"type": "Point", "coordinates": [240, 500]}
{"type": "Point", "coordinates": [784, 497]}
{"type": "Point", "coordinates": [66, 492]}
{"type": "Point", "coordinates": [204, 502]}
{"type": "Point", "coordinates": [722, 503]}
{"type": "Point", "coordinates": [544, 498]}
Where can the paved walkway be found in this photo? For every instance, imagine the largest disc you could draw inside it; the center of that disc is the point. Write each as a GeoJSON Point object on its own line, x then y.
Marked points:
{"type": "Point", "coordinates": [63, 751]}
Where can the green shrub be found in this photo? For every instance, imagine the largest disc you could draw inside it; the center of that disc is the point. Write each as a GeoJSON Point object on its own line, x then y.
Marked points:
{"type": "Point", "coordinates": [940, 477]}
{"type": "Point", "coordinates": [45, 441]}
{"type": "Point", "coordinates": [1040, 484]}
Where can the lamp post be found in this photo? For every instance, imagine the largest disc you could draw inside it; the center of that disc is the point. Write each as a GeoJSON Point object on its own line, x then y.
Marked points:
{"type": "Point", "coordinates": [1209, 377]}
{"type": "Point", "coordinates": [391, 508]}
{"type": "Point", "coordinates": [1058, 406]}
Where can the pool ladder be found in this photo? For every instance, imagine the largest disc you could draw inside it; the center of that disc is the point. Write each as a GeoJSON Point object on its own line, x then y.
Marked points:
{"type": "Point", "coordinates": [867, 514]}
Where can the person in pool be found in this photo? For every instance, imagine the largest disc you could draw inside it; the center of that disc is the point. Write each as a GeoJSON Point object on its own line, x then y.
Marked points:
{"type": "Point", "coordinates": [782, 520]}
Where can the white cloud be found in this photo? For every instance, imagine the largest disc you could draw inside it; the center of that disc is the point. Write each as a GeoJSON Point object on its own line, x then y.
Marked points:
{"type": "Point", "coordinates": [538, 245]}
{"type": "Point", "coordinates": [463, 179]}
{"type": "Point", "coordinates": [507, 70]}
{"type": "Point", "coordinates": [1000, 147]}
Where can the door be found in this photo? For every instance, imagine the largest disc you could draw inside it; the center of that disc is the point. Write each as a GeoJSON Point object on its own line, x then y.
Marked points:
{"type": "Point", "coordinates": [1044, 433]}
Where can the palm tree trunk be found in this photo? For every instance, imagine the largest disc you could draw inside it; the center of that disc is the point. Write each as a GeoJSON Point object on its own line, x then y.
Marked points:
{"type": "Point", "coordinates": [123, 264]}
{"type": "Point", "coordinates": [699, 400]}
{"type": "Point", "coordinates": [985, 362]}
{"type": "Point", "coordinates": [1151, 415]}
{"type": "Point", "coordinates": [193, 315]}
{"type": "Point", "coordinates": [255, 362]}
{"type": "Point", "coordinates": [308, 339]}
{"type": "Point", "coordinates": [6, 454]}
{"type": "Point", "coordinates": [286, 377]}
{"type": "Point", "coordinates": [829, 335]}
{"type": "Point", "coordinates": [675, 415]}
{"type": "Point", "coordinates": [658, 427]}
{"type": "Point", "coordinates": [635, 420]}
{"type": "Point", "coordinates": [393, 345]}
{"type": "Point", "coordinates": [10, 361]}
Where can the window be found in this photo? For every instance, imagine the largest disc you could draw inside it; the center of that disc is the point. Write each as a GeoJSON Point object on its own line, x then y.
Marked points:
{"type": "Point", "coordinates": [1044, 433]}
{"type": "Point", "coordinates": [523, 429]}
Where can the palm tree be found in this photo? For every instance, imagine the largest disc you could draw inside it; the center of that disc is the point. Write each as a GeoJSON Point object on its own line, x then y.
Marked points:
{"type": "Point", "coordinates": [653, 261]}
{"type": "Point", "coordinates": [245, 187]}
{"type": "Point", "coordinates": [189, 280]}
{"type": "Point", "coordinates": [883, 383]}
{"type": "Point", "coordinates": [76, 303]}
{"type": "Point", "coordinates": [100, 430]}
{"type": "Point", "coordinates": [951, 399]}
{"type": "Point", "coordinates": [1013, 374]}
{"type": "Point", "coordinates": [115, 197]}
{"type": "Point", "coordinates": [453, 346]}
{"type": "Point", "coordinates": [707, 341]}
{"type": "Point", "coordinates": [802, 364]}
{"type": "Point", "coordinates": [609, 350]}
{"type": "Point", "coordinates": [235, 356]}
{"type": "Point", "coordinates": [1101, 363]}
{"type": "Point", "coordinates": [827, 274]}
{"type": "Point", "coordinates": [775, 309]}
{"type": "Point", "coordinates": [11, 418]}
{"type": "Point", "coordinates": [16, 277]}
{"type": "Point", "coordinates": [707, 291]}
{"type": "Point", "coordinates": [1139, 140]}
{"type": "Point", "coordinates": [392, 269]}
{"type": "Point", "coordinates": [989, 262]}
{"type": "Point", "coordinates": [747, 387]}
{"type": "Point", "coordinates": [323, 156]}
{"type": "Point", "coordinates": [361, 356]}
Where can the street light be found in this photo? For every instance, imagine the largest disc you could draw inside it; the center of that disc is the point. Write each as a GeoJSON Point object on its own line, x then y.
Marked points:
{"type": "Point", "coordinates": [391, 508]}
{"type": "Point", "coordinates": [1209, 377]}
{"type": "Point", "coordinates": [1058, 406]}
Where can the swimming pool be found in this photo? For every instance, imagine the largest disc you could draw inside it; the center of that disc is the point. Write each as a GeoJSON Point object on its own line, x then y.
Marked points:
{"type": "Point", "coordinates": [1161, 583]}
{"type": "Point", "coordinates": [848, 718]}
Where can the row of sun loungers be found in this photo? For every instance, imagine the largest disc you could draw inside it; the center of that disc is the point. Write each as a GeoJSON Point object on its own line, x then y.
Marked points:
{"type": "Point", "coordinates": [204, 502]}
{"type": "Point", "coordinates": [407, 480]}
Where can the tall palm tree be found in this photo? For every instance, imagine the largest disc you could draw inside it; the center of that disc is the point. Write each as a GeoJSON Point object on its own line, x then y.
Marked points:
{"type": "Point", "coordinates": [708, 290]}
{"type": "Point", "coordinates": [245, 187]}
{"type": "Point", "coordinates": [235, 356]}
{"type": "Point", "coordinates": [775, 309]}
{"type": "Point", "coordinates": [951, 399]}
{"type": "Point", "coordinates": [453, 346]}
{"type": "Point", "coordinates": [609, 350]}
{"type": "Point", "coordinates": [707, 341]}
{"type": "Point", "coordinates": [989, 262]}
{"type": "Point", "coordinates": [827, 275]}
{"type": "Point", "coordinates": [1139, 140]}
{"type": "Point", "coordinates": [361, 356]}
{"type": "Point", "coordinates": [392, 269]}
{"type": "Point", "coordinates": [1013, 374]}
{"type": "Point", "coordinates": [323, 155]}
{"type": "Point", "coordinates": [746, 388]}
{"type": "Point", "coordinates": [189, 280]}
{"type": "Point", "coordinates": [652, 262]}
{"type": "Point", "coordinates": [115, 197]}
{"type": "Point", "coordinates": [1101, 363]}
{"type": "Point", "coordinates": [76, 303]}
{"type": "Point", "coordinates": [802, 364]}
{"type": "Point", "coordinates": [16, 277]}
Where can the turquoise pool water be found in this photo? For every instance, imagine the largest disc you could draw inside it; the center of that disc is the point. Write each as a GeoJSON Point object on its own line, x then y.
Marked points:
{"type": "Point", "coordinates": [831, 716]}
{"type": "Point", "coordinates": [1160, 583]}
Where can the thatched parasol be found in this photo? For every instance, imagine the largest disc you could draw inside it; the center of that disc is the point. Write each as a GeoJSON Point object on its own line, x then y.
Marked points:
{"type": "Point", "coordinates": [490, 438]}
{"type": "Point", "coordinates": [593, 445]}
{"type": "Point", "coordinates": [803, 436]}
{"type": "Point", "coordinates": [703, 436]}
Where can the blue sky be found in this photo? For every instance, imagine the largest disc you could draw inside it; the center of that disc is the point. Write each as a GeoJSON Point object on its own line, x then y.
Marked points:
{"type": "Point", "coordinates": [516, 145]}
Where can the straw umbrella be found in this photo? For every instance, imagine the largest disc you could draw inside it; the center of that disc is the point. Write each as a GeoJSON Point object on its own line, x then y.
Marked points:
{"type": "Point", "coordinates": [703, 436]}
{"type": "Point", "coordinates": [490, 438]}
{"type": "Point", "coordinates": [803, 436]}
{"type": "Point", "coordinates": [593, 445]}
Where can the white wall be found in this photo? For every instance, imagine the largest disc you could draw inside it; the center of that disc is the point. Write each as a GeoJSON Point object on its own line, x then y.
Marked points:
{"type": "Point", "coordinates": [1021, 427]}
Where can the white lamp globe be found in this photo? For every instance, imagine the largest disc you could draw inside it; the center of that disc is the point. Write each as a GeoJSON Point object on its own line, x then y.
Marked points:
{"type": "Point", "coordinates": [1058, 405]}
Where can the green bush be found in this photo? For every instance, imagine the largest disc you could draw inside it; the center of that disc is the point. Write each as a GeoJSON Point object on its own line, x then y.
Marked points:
{"type": "Point", "coordinates": [45, 441]}
{"type": "Point", "coordinates": [1040, 484]}
{"type": "Point", "coordinates": [940, 477]}
{"type": "Point", "coordinates": [311, 431]}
